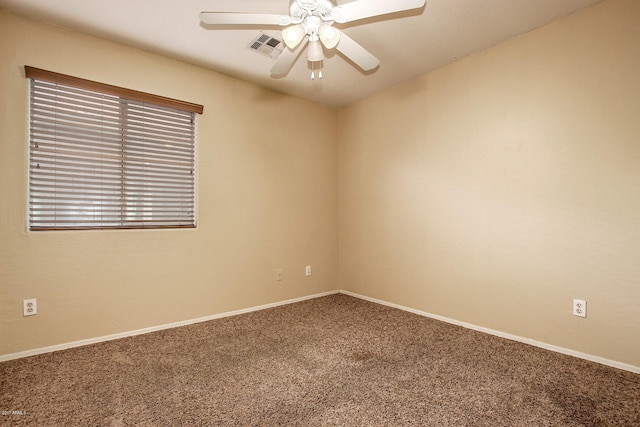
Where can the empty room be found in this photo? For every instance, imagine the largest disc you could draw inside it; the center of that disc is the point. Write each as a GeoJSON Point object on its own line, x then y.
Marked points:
{"type": "Point", "coordinates": [314, 212]}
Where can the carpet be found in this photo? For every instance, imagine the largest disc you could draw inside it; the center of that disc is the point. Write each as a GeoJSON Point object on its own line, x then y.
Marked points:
{"type": "Point", "coordinates": [330, 361]}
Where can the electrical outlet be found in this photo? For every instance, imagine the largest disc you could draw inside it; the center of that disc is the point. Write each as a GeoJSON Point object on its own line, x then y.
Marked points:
{"type": "Point", "coordinates": [279, 275]}
{"type": "Point", "coordinates": [579, 308]}
{"type": "Point", "coordinates": [29, 307]}
{"type": "Point", "coordinates": [307, 271]}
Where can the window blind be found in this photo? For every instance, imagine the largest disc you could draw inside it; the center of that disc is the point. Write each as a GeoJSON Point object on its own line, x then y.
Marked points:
{"type": "Point", "coordinates": [99, 161]}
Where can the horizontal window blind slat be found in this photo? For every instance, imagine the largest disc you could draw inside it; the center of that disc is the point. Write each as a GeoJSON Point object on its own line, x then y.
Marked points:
{"type": "Point", "coordinates": [59, 184]}
{"type": "Point", "coordinates": [77, 107]}
{"type": "Point", "coordinates": [110, 178]}
{"type": "Point", "coordinates": [48, 125]}
{"type": "Point", "coordinates": [41, 144]}
{"type": "Point", "coordinates": [71, 107]}
{"type": "Point", "coordinates": [83, 212]}
{"type": "Point", "coordinates": [163, 117]}
{"type": "Point", "coordinates": [54, 113]}
{"type": "Point", "coordinates": [106, 227]}
{"type": "Point", "coordinates": [105, 153]}
{"type": "Point", "coordinates": [72, 193]}
{"type": "Point", "coordinates": [49, 128]}
{"type": "Point", "coordinates": [112, 218]}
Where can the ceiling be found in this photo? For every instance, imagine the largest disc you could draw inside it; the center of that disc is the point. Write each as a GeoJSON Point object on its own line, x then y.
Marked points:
{"type": "Point", "coordinates": [408, 44]}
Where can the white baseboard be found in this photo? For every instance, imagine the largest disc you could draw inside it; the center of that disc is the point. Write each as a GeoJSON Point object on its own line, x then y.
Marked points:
{"type": "Point", "coordinates": [535, 343]}
{"type": "Point", "coordinates": [601, 360]}
{"type": "Point", "coordinates": [80, 343]}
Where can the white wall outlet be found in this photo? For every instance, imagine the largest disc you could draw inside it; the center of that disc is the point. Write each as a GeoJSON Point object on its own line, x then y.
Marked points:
{"type": "Point", "coordinates": [307, 271]}
{"type": "Point", "coordinates": [29, 307]}
{"type": "Point", "coordinates": [279, 275]}
{"type": "Point", "coordinates": [579, 308]}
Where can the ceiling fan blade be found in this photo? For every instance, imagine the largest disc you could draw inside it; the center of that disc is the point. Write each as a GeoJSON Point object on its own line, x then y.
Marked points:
{"type": "Point", "coordinates": [228, 18]}
{"type": "Point", "coordinates": [286, 60]}
{"type": "Point", "coordinates": [356, 53]}
{"type": "Point", "coordinates": [361, 9]}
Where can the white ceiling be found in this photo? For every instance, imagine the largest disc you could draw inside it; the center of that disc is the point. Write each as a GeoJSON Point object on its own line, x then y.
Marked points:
{"type": "Point", "coordinates": [408, 44]}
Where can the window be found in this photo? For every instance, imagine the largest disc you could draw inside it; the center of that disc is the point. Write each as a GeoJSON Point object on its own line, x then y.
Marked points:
{"type": "Point", "coordinates": [103, 157]}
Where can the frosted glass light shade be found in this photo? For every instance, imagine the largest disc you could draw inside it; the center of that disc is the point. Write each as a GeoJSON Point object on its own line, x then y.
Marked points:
{"type": "Point", "coordinates": [315, 53]}
{"type": "Point", "coordinates": [293, 35]}
{"type": "Point", "coordinates": [329, 36]}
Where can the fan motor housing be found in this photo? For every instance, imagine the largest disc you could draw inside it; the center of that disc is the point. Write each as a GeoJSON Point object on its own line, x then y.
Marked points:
{"type": "Point", "coordinates": [300, 9]}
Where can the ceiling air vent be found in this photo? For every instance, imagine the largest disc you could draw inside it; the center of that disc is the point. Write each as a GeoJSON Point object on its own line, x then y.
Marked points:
{"type": "Point", "coordinates": [267, 45]}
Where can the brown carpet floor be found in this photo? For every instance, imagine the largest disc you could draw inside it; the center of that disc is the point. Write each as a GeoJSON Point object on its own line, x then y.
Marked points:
{"type": "Point", "coordinates": [334, 361]}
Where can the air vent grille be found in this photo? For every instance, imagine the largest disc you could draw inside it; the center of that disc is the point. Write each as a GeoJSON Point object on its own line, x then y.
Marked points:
{"type": "Point", "coordinates": [267, 45]}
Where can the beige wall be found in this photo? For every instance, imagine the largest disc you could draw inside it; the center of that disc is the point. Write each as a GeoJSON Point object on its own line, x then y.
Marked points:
{"type": "Point", "coordinates": [266, 200]}
{"type": "Point", "coordinates": [497, 189]}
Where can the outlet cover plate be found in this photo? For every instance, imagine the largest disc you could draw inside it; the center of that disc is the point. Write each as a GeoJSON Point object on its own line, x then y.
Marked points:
{"type": "Point", "coordinates": [29, 307]}
{"type": "Point", "coordinates": [579, 308]}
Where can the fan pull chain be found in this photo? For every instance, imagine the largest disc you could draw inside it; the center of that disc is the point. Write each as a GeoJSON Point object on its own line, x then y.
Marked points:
{"type": "Point", "coordinates": [313, 73]}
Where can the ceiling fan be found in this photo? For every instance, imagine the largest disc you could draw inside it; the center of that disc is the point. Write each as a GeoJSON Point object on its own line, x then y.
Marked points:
{"type": "Point", "coordinates": [310, 22]}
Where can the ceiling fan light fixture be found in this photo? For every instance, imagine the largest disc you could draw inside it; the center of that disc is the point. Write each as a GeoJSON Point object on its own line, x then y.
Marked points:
{"type": "Point", "coordinates": [315, 52]}
{"type": "Point", "coordinates": [293, 35]}
{"type": "Point", "coordinates": [329, 36]}
{"type": "Point", "coordinates": [310, 23]}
